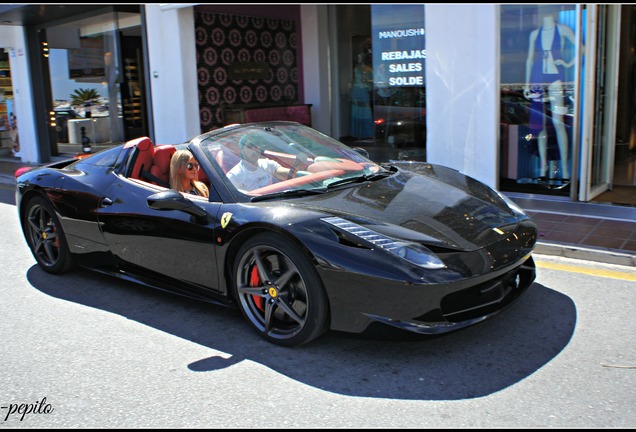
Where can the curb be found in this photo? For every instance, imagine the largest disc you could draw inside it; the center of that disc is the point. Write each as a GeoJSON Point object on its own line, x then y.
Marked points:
{"type": "Point", "coordinates": [582, 253]}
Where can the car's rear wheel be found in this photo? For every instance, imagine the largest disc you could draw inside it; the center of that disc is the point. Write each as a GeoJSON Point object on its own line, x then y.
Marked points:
{"type": "Point", "coordinates": [279, 291]}
{"type": "Point", "coordinates": [45, 237]}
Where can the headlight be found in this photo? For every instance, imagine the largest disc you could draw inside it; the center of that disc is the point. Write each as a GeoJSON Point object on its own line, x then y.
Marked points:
{"type": "Point", "coordinates": [412, 252]}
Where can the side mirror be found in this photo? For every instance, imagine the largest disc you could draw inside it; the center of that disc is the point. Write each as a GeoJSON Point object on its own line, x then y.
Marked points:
{"type": "Point", "coordinates": [173, 200]}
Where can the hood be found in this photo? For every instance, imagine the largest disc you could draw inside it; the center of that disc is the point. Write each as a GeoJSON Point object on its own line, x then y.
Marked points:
{"type": "Point", "coordinates": [426, 203]}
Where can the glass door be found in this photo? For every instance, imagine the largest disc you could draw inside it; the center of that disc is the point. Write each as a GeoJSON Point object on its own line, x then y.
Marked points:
{"type": "Point", "coordinates": [89, 82]}
{"type": "Point", "coordinates": [599, 128]}
{"type": "Point", "coordinates": [9, 144]}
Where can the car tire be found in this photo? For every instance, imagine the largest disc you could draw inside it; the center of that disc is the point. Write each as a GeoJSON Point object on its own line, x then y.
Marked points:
{"type": "Point", "coordinates": [45, 237]}
{"type": "Point", "coordinates": [279, 291]}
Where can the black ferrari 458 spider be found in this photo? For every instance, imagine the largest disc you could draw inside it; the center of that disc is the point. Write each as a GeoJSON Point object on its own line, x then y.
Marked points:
{"type": "Point", "coordinates": [340, 242]}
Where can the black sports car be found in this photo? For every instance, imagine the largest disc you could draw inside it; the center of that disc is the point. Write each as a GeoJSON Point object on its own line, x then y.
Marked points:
{"type": "Point", "coordinates": [341, 243]}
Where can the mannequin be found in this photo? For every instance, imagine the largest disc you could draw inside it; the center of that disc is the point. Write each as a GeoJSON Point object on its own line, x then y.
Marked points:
{"type": "Point", "coordinates": [545, 71]}
{"type": "Point", "coordinates": [361, 118]}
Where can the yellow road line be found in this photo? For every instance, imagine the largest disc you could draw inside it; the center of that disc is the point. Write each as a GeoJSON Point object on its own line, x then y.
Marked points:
{"type": "Point", "coordinates": [585, 270]}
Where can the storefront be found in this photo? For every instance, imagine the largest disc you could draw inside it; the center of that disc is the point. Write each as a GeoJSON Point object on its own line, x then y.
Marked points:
{"type": "Point", "coordinates": [403, 81]}
{"type": "Point", "coordinates": [92, 69]}
{"type": "Point", "coordinates": [82, 82]}
{"type": "Point", "coordinates": [562, 77]}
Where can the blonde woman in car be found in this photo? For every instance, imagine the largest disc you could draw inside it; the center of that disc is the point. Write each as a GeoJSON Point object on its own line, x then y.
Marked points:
{"type": "Point", "coordinates": [184, 174]}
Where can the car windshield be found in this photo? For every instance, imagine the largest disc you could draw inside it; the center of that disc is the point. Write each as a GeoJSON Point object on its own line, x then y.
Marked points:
{"type": "Point", "coordinates": [284, 159]}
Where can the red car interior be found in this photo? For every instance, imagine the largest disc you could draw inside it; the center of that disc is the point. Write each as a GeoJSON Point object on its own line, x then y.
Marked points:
{"type": "Point", "coordinates": [152, 164]}
{"type": "Point", "coordinates": [161, 163]}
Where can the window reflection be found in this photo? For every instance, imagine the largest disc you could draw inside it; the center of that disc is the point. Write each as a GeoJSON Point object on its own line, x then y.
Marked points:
{"type": "Point", "coordinates": [95, 98]}
{"type": "Point", "coordinates": [398, 94]}
{"type": "Point", "coordinates": [538, 62]}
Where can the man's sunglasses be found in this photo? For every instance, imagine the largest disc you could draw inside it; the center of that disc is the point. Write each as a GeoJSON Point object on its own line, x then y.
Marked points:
{"type": "Point", "coordinates": [191, 165]}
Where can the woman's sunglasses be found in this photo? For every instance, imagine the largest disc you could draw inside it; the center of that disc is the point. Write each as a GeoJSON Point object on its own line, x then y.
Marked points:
{"type": "Point", "coordinates": [191, 165]}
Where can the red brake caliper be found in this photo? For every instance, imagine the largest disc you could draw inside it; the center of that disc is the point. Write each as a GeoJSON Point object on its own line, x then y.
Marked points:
{"type": "Point", "coordinates": [255, 281]}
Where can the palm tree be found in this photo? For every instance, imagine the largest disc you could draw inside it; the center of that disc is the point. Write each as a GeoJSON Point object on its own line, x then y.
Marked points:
{"type": "Point", "coordinates": [81, 96]}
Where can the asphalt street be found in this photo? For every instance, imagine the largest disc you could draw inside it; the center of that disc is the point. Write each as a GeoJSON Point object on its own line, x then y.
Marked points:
{"type": "Point", "coordinates": [85, 350]}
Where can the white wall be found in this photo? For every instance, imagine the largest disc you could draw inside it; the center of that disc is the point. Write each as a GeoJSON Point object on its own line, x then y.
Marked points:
{"type": "Point", "coordinates": [462, 88]}
{"type": "Point", "coordinates": [12, 38]}
{"type": "Point", "coordinates": [173, 73]}
{"type": "Point", "coordinates": [314, 37]}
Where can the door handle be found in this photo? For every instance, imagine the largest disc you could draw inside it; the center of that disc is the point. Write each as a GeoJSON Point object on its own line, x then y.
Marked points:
{"type": "Point", "coordinates": [105, 202]}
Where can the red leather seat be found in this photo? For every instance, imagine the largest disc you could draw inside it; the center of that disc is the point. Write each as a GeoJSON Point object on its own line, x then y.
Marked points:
{"type": "Point", "coordinates": [145, 152]}
{"type": "Point", "coordinates": [160, 168]}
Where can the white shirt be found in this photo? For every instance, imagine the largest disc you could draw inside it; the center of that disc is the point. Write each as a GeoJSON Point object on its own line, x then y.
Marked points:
{"type": "Point", "coordinates": [245, 177]}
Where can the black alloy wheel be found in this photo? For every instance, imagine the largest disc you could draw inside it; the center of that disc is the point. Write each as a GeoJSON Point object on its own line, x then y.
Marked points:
{"type": "Point", "coordinates": [45, 237]}
{"type": "Point", "coordinates": [279, 291]}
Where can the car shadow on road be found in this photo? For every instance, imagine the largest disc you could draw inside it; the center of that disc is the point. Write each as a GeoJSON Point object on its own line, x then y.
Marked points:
{"type": "Point", "coordinates": [7, 194]}
{"type": "Point", "coordinates": [471, 363]}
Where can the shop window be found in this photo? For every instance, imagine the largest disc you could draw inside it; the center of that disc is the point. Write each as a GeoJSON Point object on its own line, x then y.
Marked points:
{"type": "Point", "coordinates": [96, 81]}
{"type": "Point", "coordinates": [538, 70]}
{"type": "Point", "coordinates": [398, 94]}
{"type": "Point", "coordinates": [9, 142]}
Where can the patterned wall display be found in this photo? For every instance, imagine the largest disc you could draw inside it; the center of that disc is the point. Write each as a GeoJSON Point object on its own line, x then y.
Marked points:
{"type": "Point", "coordinates": [244, 60]}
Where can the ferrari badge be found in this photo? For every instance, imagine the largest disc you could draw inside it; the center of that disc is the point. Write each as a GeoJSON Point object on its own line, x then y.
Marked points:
{"type": "Point", "coordinates": [225, 219]}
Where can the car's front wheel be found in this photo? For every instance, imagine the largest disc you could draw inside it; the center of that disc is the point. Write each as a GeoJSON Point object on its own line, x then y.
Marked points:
{"type": "Point", "coordinates": [279, 291]}
{"type": "Point", "coordinates": [45, 237]}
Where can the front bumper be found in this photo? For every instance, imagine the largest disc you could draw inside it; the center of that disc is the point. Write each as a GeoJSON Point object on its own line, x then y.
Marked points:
{"type": "Point", "coordinates": [425, 308]}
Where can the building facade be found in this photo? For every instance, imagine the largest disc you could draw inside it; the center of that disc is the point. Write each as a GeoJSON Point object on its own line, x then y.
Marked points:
{"type": "Point", "coordinates": [534, 100]}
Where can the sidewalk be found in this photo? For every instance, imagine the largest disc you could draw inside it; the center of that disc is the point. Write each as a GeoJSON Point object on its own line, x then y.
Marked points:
{"type": "Point", "coordinates": [577, 236]}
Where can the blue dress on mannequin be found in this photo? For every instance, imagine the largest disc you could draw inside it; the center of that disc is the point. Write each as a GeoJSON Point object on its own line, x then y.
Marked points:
{"type": "Point", "coordinates": [361, 118]}
{"type": "Point", "coordinates": [539, 105]}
